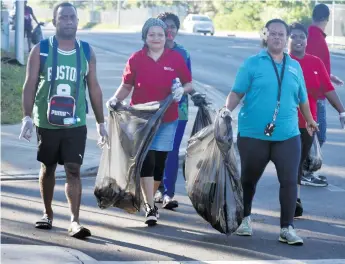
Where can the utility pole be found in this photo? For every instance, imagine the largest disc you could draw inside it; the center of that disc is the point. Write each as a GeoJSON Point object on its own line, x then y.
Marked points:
{"type": "Point", "coordinates": [333, 22]}
{"type": "Point", "coordinates": [118, 12]}
{"type": "Point", "coordinates": [5, 31]}
{"type": "Point", "coordinates": [19, 34]}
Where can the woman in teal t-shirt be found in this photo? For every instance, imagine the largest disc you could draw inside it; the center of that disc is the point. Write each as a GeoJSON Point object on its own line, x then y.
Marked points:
{"type": "Point", "coordinates": [268, 130]}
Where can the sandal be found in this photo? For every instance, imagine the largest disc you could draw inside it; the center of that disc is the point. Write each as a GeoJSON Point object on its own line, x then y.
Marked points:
{"type": "Point", "coordinates": [44, 223]}
{"type": "Point", "coordinates": [77, 231]}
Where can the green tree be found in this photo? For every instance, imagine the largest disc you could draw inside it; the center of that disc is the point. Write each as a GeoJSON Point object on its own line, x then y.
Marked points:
{"type": "Point", "coordinates": [252, 15]}
{"type": "Point", "coordinates": [240, 15]}
{"type": "Point", "coordinates": [48, 3]}
{"type": "Point", "coordinates": [77, 3]}
{"type": "Point", "coordinates": [3, 7]}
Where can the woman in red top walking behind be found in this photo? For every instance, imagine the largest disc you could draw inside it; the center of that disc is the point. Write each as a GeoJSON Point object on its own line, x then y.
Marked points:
{"type": "Point", "coordinates": [151, 72]}
{"type": "Point", "coordinates": [318, 83]}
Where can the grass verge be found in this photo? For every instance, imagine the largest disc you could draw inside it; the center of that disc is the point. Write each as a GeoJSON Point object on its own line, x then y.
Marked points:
{"type": "Point", "coordinates": [12, 80]}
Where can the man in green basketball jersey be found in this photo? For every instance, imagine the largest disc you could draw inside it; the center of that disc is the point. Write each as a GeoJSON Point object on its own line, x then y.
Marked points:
{"type": "Point", "coordinates": [58, 108]}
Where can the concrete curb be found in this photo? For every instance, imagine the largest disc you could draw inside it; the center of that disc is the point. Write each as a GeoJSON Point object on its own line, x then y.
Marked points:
{"type": "Point", "coordinates": [38, 254]}
{"type": "Point", "coordinates": [86, 172]}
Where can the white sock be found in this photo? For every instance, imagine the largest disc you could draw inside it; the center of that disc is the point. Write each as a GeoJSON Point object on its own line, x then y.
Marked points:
{"type": "Point", "coordinates": [147, 190]}
{"type": "Point", "coordinates": [298, 191]}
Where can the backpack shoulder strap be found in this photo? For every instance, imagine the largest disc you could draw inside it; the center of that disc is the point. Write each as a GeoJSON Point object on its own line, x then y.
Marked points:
{"type": "Point", "coordinates": [44, 51]}
{"type": "Point", "coordinates": [87, 53]}
{"type": "Point", "coordinates": [86, 49]}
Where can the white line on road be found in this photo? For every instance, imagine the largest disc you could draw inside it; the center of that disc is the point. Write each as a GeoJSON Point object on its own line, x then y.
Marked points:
{"type": "Point", "coordinates": [334, 188]}
{"type": "Point", "coordinates": [337, 56]}
{"type": "Point", "coordinates": [290, 261]}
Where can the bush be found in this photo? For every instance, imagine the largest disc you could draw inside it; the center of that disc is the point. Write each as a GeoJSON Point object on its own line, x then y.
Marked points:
{"type": "Point", "coordinates": [12, 80]}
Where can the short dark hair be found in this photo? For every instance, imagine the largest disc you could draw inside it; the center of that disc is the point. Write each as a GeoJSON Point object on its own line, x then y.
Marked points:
{"type": "Point", "coordinates": [321, 13]}
{"type": "Point", "coordinates": [167, 15]}
{"type": "Point", "coordinates": [298, 26]}
{"type": "Point", "coordinates": [63, 4]}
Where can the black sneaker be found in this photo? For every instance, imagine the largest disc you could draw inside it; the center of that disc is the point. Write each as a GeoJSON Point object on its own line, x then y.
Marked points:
{"type": "Point", "coordinates": [151, 215]}
{"type": "Point", "coordinates": [299, 208]}
{"type": "Point", "coordinates": [157, 213]}
{"type": "Point", "coordinates": [310, 180]}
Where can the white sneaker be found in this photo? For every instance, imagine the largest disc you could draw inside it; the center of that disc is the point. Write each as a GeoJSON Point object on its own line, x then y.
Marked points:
{"type": "Point", "coordinates": [158, 197]}
{"type": "Point", "coordinates": [245, 229]}
{"type": "Point", "coordinates": [288, 235]}
{"type": "Point", "coordinates": [169, 203]}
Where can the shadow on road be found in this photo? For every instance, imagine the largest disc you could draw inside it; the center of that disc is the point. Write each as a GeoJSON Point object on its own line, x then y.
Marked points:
{"type": "Point", "coordinates": [181, 229]}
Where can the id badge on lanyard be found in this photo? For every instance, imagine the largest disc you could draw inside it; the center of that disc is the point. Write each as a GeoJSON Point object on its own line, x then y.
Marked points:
{"type": "Point", "coordinates": [62, 108]}
{"type": "Point", "coordinates": [269, 129]}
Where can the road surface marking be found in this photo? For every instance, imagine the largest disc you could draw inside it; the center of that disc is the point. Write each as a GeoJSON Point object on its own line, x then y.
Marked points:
{"type": "Point", "coordinates": [334, 188]}
{"type": "Point", "coordinates": [289, 261]}
{"type": "Point", "coordinates": [337, 56]}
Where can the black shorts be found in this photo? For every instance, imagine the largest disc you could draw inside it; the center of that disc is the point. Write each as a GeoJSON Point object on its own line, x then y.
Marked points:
{"type": "Point", "coordinates": [61, 146]}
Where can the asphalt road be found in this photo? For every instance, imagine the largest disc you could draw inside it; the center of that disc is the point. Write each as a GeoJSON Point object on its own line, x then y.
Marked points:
{"type": "Point", "coordinates": [183, 235]}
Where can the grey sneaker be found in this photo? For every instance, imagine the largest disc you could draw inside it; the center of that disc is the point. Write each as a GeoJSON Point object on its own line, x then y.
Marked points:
{"type": "Point", "coordinates": [288, 235]}
{"type": "Point", "coordinates": [310, 180]}
{"type": "Point", "coordinates": [245, 229]}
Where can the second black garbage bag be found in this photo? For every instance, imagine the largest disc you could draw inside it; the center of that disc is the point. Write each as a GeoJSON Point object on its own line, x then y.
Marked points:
{"type": "Point", "coordinates": [212, 175]}
{"type": "Point", "coordinates": [131, 130]}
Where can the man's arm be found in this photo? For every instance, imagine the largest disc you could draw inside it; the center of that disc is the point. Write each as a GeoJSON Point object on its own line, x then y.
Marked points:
{"type": "Point", "coordinates": [95, 91]}
{"type": "Point", "coordinates": [336, 80]}
{"type": "Point", "coordinates": [30, 84]}
{"type": "Point", "coordinates": [333, 98]}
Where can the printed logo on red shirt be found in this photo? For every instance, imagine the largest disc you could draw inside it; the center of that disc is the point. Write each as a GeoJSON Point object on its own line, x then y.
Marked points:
{"type": "Point", "coordinates": [168, 69]}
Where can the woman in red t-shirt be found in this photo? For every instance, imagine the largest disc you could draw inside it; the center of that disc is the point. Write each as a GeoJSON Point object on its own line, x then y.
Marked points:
{"type": "Point", "coordinates": [318, 83]}
{"type": "Point", "coordinates": [151, 71]}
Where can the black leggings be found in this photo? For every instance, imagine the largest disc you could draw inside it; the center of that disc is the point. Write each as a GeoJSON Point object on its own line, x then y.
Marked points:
{"type": "Point", "coordinates": [306, 143]}
{"type": "Point", "coordinates": [255, 155]}
{"type": "Point", "coordinates": [154, 164]}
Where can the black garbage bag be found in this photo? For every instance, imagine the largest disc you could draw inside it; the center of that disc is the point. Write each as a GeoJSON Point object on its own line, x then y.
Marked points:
{"type": "Point", "coordinates": [314, 160]}
{"type": "Point", "coordinates": [212, 176]}
{"type": "Point", "coordinates": [36, 35]}
{"type": "Point", "coordinates": [131, 130]}
{"type": "Point", "coordinates": [203, 118]}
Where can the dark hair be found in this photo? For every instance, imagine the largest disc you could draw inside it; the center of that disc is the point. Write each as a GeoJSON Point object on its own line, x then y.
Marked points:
{"type": "Point", "coordinates": [63, 4]}
{"type": "Point", "coordinates": [298, 26]}
{"type": "Point", "coordinates": [275, 20]}
{"type": "Point", "coordinates": [321, 13]}
{"type": "Point", "coordinates": [167, 15]}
